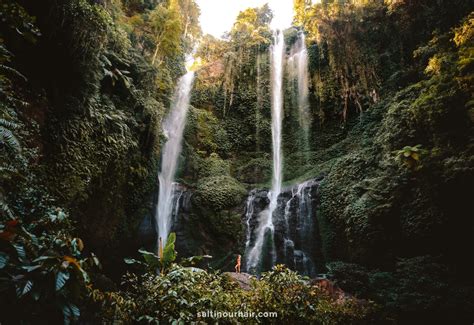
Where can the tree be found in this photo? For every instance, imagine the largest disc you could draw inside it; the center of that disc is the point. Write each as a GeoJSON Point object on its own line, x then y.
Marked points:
{"type": "Point", "coordinates": [252, 26]}
{"type": "Point", "coordinates": [166, 28]}
{"type": "Point", "coordinates": [190, 22]}
{"type": "Point", "coordinates": [301, 10]}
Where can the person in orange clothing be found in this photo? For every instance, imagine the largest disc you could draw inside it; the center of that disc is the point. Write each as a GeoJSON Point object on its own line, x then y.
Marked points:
{"type": "Point", "coordinates": [237, 266]}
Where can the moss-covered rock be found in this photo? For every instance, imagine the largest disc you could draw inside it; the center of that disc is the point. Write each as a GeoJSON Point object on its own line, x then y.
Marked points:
{"type": "Point", "coordinates": [219, 192]}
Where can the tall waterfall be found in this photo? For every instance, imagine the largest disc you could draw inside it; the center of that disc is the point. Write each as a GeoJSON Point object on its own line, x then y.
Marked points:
{"type": "Point", "coordinates": [298, 238]}
{"type": "Point", "coordinates": [173, 128]}
{"type": "Point", "coordinates": [265, 229]}
{"type": "Point", "coordinates": [298, 71]}
{"type": "Point", "coordinates": [295, 242]}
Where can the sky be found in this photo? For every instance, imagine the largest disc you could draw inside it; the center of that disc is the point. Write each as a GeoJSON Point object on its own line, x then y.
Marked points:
{"type": "Point", "coordinates": [218, 16]}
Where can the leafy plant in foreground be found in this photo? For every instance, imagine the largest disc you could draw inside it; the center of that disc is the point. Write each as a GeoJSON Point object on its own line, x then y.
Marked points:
{"type": "Point", "coordinates": [154, 262]}
{"type": "Point", "coordinates": [42, 270]}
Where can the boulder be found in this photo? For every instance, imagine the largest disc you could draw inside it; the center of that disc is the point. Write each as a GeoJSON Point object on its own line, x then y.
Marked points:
{"type": "Point", "coordinates": [242, 279]}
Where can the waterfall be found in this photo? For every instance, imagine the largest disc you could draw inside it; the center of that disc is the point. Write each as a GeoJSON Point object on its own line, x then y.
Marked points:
{"type": "Point", "coordinates": [248, 216]}
{"type": "Point", "coordinates": [277, 51]}
{"type": "Point", "coordinates": [294, 236]}
{"type": "Point", "coordinates": [298, 72]}
{"type": "Point", "coordinates": [303, 228]}
{"type": "Point", "coordinates": [173, 128]}
{"type": "Point", "coordinates": [303, 90]}
{"type": "Point", "coordinates": [265, 228]}
{"type": "Point", "coordinates": [259, 104]}
{"type": "Point", "coordinates": [177, 194]}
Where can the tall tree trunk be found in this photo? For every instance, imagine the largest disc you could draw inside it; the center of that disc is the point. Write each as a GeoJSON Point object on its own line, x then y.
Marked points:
{"type": "Point", "coordinates": [155, 54]}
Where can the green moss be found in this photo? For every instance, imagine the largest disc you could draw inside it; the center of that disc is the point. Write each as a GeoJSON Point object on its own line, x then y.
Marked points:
{"type": "Point", "coordinates": [219, 192]}
{"type": "Point", "coordinates": [206, 133]}
{"type": "Point", "coordinates": [254, 169]}
{"type": "Point", "coordinates": [213, 166]}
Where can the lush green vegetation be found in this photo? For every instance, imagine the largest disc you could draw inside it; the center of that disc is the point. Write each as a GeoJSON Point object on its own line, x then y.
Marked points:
{"type": "Point", "coordinates": [184, 292]}
{"type": "Point", "coordinates": [85, 85]}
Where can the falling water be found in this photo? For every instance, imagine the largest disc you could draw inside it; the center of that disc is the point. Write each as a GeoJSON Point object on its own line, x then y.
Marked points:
{"type": "Point", "coordinates": [173, 128]}
{"type": "Point", "coordinates": [303, 91]}
{"type": "Point", "coordinates": [265, 227]}
{"type": "Point", "coordinates": [248, 215]}
{"type": "Point", "coordinates": [304, 227]}
{"type": "Point", "coordinates": [298, 71]}
{"type": "Point", "coordinates": [277, 115]}
{"type": "Point", "coordinates": [177, 194]}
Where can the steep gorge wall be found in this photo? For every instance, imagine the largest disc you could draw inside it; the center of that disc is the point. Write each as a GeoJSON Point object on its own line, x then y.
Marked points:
{"type": "Point", "coordinates": [395, 151]}
{"type": "Point", "coordinates": [93, 113]}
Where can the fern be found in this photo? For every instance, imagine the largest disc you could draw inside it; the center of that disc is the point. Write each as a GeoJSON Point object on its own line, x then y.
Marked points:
{"type": "Point", "coordinates": [7, 137]}
{"type": "Point", "coordinates": [5, 68]}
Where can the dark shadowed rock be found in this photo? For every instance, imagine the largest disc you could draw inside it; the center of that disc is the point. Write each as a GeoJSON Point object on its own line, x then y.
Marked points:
{"type": "Point", "coordinates": [147, 231]}
{"type": "Point", "coordinates": [296, 231]}
{"type": "Point", "coordinates": [242, 279]}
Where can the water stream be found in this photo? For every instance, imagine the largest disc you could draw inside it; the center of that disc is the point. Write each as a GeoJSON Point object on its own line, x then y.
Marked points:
{"type": "Point", "coordinates": [298, 73]}
{"type": "Point", "coordinates": [265, 229]}
{"type": "Point", "coordinates": [294, 240]}
{"type": "Point", "coordinates": [173, 128]}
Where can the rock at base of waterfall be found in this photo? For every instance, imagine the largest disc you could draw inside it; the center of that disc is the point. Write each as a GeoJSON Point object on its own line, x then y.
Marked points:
{"type": "Point", "coordinates": [242, 279]}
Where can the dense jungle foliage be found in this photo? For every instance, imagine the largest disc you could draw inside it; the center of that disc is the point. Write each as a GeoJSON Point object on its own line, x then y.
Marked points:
{"type": "Point", "coordinates": [85, 85]}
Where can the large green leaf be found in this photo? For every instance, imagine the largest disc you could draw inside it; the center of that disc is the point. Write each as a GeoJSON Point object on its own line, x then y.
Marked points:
{"type": "Point", "coordinates": [30, 268]}
{"type": "Point", "coordinates": [3, 259]}
{"type": "Point", "coordinates": [131, 261]}
{"type": "Point", "coordinates": [171, 239]}
{"type": "Point", "coordinates": [95, 260]}
{"type": "Point", "coordinates": [70, 312]}
{"type": "Point", "coordinates": [20, 250]}
{"type": "Point", "coordinates": [23, 290]}
{"type": "Point", "coordinates": [169, 254]}
{"type": "Point", "coordinates": [44, 257]}
{"type": "Point", "coordinates": [27, 287]}
{"type": "Point", "coordinates": [61, 279]}
{"type": "Point", "coordinates": [194, 259]}
{"type": "Point", "coordinates": [151, 259]}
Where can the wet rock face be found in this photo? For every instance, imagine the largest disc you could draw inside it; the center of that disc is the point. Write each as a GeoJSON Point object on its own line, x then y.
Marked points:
{"type": "Point", "coordinates": [147, 231]}
{"type": "Point", "coordinates": [257, 202]}
{"type": "Point", "coordinates": [295, 235]}
{"type": "Point", "coordinates": [224, 234]}
{"type": "Point", "coordinates": [202, 231]}
{"type": "Point", "coordinates": [182, 216]}
{"type": "Point", "coordinates": [242, 279]}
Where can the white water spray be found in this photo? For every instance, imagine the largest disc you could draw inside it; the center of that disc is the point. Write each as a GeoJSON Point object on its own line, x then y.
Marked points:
{"type": "Point", "coordinates": [248, 215]}
{"type": "Point", "coordinates": [266, 216]}
{"type": "Point", "coordinates": [298, 71]}
{"type": "Point", "coordinates": [303, 90]}
{"type": "Point", "coordinates": [173, 128]}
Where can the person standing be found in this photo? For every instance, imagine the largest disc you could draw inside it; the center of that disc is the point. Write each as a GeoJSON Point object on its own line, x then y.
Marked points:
{"type": "Point", "coordinates": [237, 266]}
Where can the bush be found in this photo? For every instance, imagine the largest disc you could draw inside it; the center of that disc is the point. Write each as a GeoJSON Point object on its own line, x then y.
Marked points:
{"type": "Point", "coordinates": [182, 293]}
{"type": "Point", "coordinates": [42, 270]}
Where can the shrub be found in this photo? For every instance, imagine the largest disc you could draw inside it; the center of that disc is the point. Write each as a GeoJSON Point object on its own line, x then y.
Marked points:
{"type": "Point", "coordinates": [42, 270]}
{"type": "Point", "coordinates": [182, 293]}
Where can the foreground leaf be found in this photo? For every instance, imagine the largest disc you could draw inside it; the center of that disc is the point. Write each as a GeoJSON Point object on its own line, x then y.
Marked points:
{"type": "Point", "coordinates": [61, 279]}
{"type": "Point", "coordinates": [3, 260]}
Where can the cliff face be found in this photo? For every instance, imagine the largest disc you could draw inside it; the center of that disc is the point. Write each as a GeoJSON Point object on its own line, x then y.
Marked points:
{"type": "Point", "coordinates": [231, 232]}
{"type": "Point", "coordinates": [296, 232]}
{"type": "Point", "coordinates": [388, 120]}
{"type": "Point", "coordinates": [94, 112]}
{"type": "Point", "coordinates": [391, 131]}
